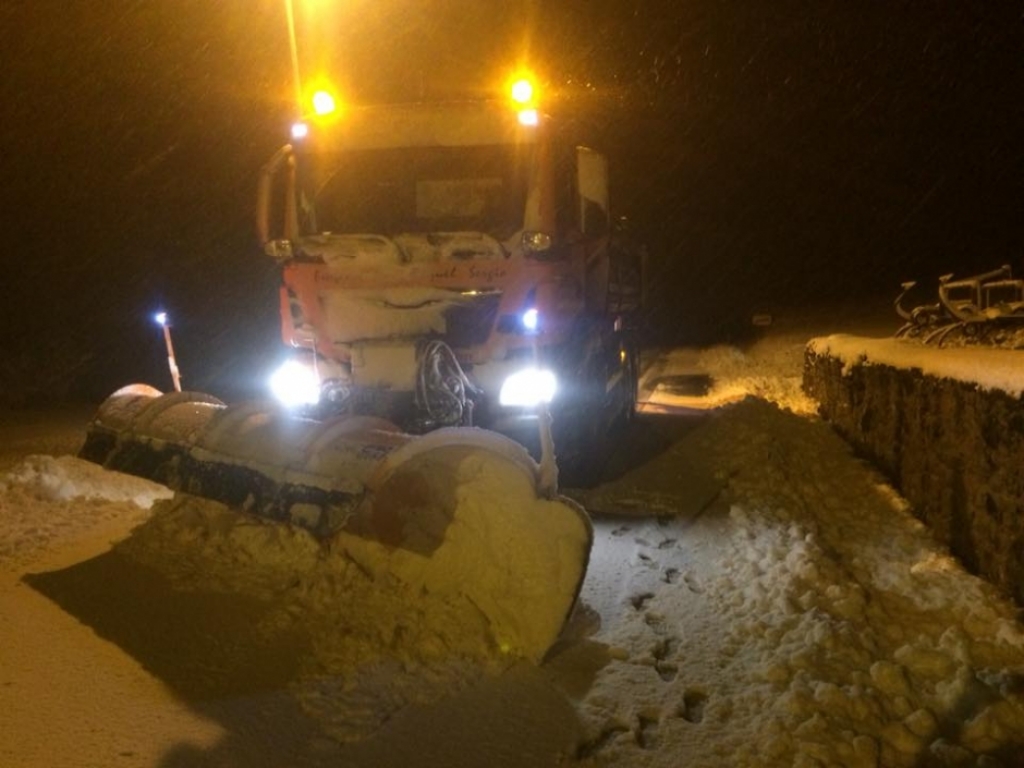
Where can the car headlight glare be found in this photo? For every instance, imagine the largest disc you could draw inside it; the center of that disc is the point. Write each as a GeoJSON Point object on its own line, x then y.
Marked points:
{"type": "Point", "coordinates": [295, 384]}
{"type": "Point", "coordinates": [528, 388]}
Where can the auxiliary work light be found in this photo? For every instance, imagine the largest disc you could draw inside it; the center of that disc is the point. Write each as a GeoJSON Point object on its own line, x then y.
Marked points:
{"type": "Point", "coordinates": [324, 103]}
{"type": "Point", "coordinates": [172, 363]}
{"type": "Point", "coordinates": [522, 91]}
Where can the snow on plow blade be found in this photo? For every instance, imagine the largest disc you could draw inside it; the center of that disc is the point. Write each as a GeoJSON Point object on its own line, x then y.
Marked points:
{"type": "Point", "coordinates": [456, 512]}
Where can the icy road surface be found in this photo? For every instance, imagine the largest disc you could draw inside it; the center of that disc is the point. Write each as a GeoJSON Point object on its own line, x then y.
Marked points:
{"type": "Point", "coordinates": [756, 597]}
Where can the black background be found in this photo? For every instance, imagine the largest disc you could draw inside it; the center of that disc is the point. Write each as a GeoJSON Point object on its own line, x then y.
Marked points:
{"type": "Point", "coordinates": [771, 153]}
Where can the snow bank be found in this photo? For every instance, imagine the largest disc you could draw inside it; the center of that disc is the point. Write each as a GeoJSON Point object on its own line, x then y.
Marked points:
{"type": "Point", "coordinates": [359, 626]}
{"type": "Point", "coordinates": [498, 587]}
{"type": "Point", "coordinates": [46, 500]}
{"type": "Point", "coordinates": [769, 369]}
{"type": "Point", "coordinates": [809, 620]}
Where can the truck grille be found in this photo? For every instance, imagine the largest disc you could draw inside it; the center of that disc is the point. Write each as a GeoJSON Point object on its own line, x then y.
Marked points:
{"type": "Point", "coordinates": [470, 323]}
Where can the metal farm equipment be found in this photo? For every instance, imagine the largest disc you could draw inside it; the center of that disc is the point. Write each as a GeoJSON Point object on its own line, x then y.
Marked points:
{"type": "Point", "coordinates": [982, 309]}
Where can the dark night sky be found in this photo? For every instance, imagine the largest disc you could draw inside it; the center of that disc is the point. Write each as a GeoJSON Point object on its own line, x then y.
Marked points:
{"type": "Point", "coordinates": [771, 153]}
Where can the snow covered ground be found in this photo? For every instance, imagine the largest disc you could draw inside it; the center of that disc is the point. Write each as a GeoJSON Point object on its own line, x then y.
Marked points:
{"type": "Point", "coordinates": [757, 596]}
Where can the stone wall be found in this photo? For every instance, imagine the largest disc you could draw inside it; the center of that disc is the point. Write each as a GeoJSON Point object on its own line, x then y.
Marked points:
{"type": "Point", "coordinates": [954, 451]}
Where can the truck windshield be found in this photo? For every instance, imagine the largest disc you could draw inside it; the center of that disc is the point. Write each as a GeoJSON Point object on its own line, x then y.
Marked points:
{"type": "Point", "coordinates": [421, 189]}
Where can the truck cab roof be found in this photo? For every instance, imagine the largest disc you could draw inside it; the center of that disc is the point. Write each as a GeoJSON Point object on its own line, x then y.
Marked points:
{"type": "Point", "coordinates": [451, 124]}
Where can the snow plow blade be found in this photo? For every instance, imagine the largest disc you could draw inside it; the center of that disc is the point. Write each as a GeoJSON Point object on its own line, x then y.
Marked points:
{"type": "Point", "coordinates": [456, 512]}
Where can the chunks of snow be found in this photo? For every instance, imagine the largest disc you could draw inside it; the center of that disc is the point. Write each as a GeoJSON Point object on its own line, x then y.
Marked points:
{"type": "Point", "coordinates": [498, 587]}
{"type": "Point", "coordinates": [813, 615]}
{"type": "Point", "coordinates": [501, 579]}
{"type": "Point", "coordinates": [49, 478]}
{"type": "Point", "coordinates": [46, 500]}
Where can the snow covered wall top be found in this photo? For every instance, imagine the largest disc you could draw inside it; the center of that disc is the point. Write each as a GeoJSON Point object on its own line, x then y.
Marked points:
{"type": "Point", "coordinates": [946, 426]}
{"type": "Point", "coordinates": [1001, 369]}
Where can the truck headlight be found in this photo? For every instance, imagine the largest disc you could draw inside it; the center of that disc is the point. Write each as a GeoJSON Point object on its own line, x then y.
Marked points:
{"type": "Point", "coordinates": [295, 384]}
{"type": "Point", "coordinates": [528, 388]}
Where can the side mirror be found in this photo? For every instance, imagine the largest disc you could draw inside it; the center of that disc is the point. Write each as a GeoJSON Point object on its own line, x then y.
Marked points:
{"type": "Point", "coordinates": [278, 250]}
{"type": "Point", "coordinates": [592, 183]}
{"type": "Point", "coordinates": [595, 219]}
{"type": "Point", "coordinates": [266, 199]}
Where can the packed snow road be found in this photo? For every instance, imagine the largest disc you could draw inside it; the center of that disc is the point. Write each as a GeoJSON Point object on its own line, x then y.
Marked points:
{"type": "Point", "coordinates": [756, 596]}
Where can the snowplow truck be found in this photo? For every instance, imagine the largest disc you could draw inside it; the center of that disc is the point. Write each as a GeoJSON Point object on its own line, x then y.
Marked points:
{"type": "Point", "coordinates": [452, 265]}
{"type": "Point", "coordinates": [450, 280]}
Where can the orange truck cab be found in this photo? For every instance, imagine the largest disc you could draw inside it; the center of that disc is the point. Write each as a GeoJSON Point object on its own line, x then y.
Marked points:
{"type": "Point", "coordinates": [450, 264]}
